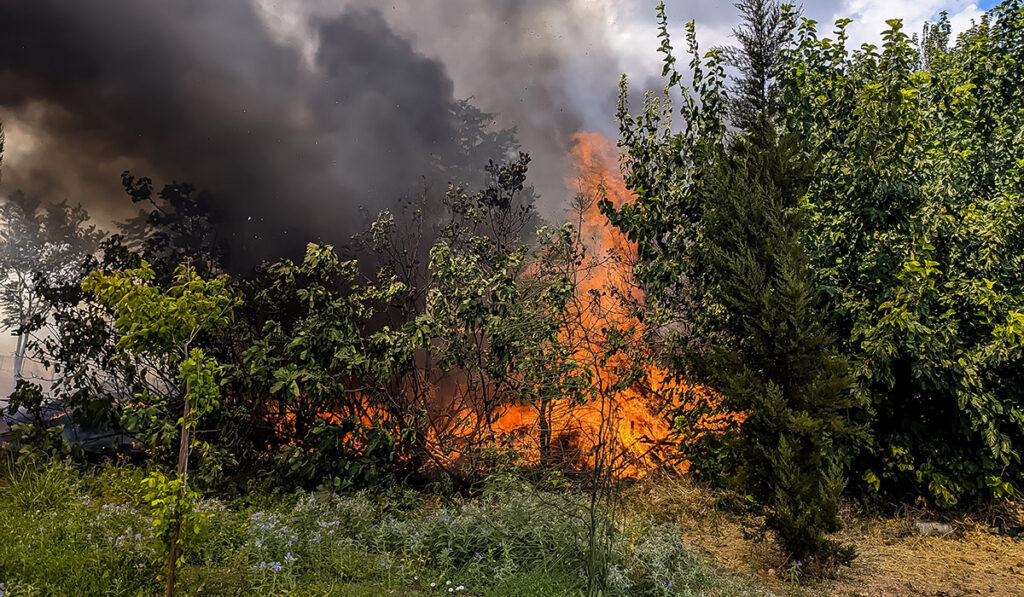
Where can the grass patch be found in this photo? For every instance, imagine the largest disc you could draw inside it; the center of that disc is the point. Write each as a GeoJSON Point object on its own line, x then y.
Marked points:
{"type": "Point", "coordinates": [65, 532]}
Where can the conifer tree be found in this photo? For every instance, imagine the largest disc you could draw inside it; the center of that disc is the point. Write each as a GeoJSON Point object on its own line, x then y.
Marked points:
{"type": "Point", "coordinates": [767, 350]}
{"type": "Point", "coordinates": [760, 36]}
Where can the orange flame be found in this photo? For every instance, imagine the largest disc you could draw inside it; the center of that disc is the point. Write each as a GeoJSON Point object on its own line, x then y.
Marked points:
{"type": "Point", "coordinates": [637, 415]}
{"type": "Point", "coordinates": [627, 427]}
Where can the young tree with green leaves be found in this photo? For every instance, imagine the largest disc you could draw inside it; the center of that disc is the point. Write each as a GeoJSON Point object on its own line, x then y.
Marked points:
{"type": "Point", "coordinates": [769, 353]}
{"type": "Point", "coordinates": [314, 372]}
{"type": "Point", "coordinates": [167, 323]}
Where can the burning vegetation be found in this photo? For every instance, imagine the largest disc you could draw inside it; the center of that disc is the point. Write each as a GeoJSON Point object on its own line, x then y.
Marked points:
{"type": "Point", "coordinates": [808, 289]}
{"type": "Point", "coordinates": [607, 398]}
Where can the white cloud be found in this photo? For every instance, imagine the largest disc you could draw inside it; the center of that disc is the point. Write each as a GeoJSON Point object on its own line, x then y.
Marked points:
{"type": "Point", "coordinates": [869, 16]}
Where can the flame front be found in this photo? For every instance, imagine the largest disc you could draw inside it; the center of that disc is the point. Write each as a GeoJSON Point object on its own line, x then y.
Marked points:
{"type": "Point", "coordinates": [636, 418]}
{"type": "Point", "coordinates": [626, 428]}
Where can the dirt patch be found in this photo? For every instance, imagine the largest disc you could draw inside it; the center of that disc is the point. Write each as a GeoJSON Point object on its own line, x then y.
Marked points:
{"type": "Point", "coordinates": [894, 559]}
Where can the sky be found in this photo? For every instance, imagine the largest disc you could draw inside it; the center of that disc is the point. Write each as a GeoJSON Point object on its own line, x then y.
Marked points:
{"type": "Point", "coordinates": [296, 113]}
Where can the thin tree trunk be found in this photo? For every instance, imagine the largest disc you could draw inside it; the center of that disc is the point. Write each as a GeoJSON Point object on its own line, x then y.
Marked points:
{"type": "Point", "coordinates": [172, 559]}
{"type": "Point", "coordinates": [544, 424]}
{"type": "Point", "coordinates": [19, 358]}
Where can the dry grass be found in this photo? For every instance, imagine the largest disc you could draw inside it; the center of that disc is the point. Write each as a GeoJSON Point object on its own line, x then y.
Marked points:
{"type": "Point", "coordinates": [894, 560]}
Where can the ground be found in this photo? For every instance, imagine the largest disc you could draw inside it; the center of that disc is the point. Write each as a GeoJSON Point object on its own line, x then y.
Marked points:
{"type": "Point", "coordinates": [676, 539]}
{"type": "Point", "coordinates": [894, 559]}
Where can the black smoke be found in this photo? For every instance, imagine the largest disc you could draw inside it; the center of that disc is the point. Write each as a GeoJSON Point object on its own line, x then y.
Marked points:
{"type": "Point", "coordinates": [198, 91]}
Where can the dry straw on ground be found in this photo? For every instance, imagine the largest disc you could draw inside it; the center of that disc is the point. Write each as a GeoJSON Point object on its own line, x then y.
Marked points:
{"type": "Point", "coordinates": [894, 559]}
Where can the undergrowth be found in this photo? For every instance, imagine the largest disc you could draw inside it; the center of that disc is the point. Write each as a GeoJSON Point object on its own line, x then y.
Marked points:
{"type": "Point", "coordinates": [65, 532]}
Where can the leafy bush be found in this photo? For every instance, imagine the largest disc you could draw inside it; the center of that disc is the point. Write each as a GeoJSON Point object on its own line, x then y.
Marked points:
{"type": "Point", "coordinates": [720, 226]}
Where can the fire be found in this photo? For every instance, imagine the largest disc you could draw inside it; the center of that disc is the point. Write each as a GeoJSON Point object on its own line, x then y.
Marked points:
{"type": "Point", "coordinates": [626, 427]}
{"type": "Point", "coordinates": [608, 297]}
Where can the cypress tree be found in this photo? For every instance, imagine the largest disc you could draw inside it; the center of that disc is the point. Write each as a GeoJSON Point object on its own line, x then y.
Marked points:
{"type": "Point", "coordinates": [760, 36]}
{"type": "Point", "coordinates": [767, 350]}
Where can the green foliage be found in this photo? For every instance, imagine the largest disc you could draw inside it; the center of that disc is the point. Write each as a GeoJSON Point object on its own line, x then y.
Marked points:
{"type": "Point", "coordinates": [313, 366]}
{"type": "Point", "coordinates": [38, 440]}
{"type": "Point", "coordinates": [76, 343]}
{"type": "Point", "coordinates": [916, 237]}
{"type": "Point", "coordinates": [513, 540]}
{"type": "Point", "coordinates": [912, 229]}
{"type": "Point", "coordinates": [665, 169]}
{"type": "Point", "coordinates": [757, 58]}
{"type": "Point", "coordinates": [767, 350]}
{"type": "Point", "coordinates": [721, 228]}
{"type": "Point", "coordinates": [172, 503]}
{"type": "Point", "coordinates": [165, 324]}
{"type": "Point", "coordinates": [163, 321]}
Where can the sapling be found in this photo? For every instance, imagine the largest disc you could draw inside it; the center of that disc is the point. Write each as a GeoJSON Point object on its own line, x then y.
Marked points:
{"type": "Point", "coordinates": [165, 324]}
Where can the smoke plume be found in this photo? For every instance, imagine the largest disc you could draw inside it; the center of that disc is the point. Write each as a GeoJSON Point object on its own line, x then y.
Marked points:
{"type": "Point", "coordinates": [199, 91]}
{"type": "Point", "coordinates": [294, 113]}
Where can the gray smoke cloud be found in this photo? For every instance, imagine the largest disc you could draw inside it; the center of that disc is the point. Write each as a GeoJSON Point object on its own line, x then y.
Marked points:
{"type": "Point", "coordinates": [201, 92]}
{"type": "Point", "coordinates": [293, 113]}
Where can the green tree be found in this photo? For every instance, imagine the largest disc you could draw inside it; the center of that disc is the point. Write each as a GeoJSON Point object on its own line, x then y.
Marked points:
{"type": "Point", "coordinates": [314, 371]}
{"type": "Point", "coordinates": [917, 238]}
{"type": "Point", "coordinates": [166, 323]}
{"type": "Point", "coordinates": [757, 58]}
{"type": "Point", "coordinates": [720, 231]}
{"type": "Point", "coordinates": [768, 352]}
{"type": "Point", "coordinates": [40, 244]}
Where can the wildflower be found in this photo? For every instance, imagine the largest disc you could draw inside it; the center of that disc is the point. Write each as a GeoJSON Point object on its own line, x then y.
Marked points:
{"type": "Point", "coordinates": [289, 557]}
{"type": "Point", "coordinates": [433, 584]}
{"type": "Point", "coordinates": [460, 588]}
{"type": "Point", "coordinates": [275, 566]}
